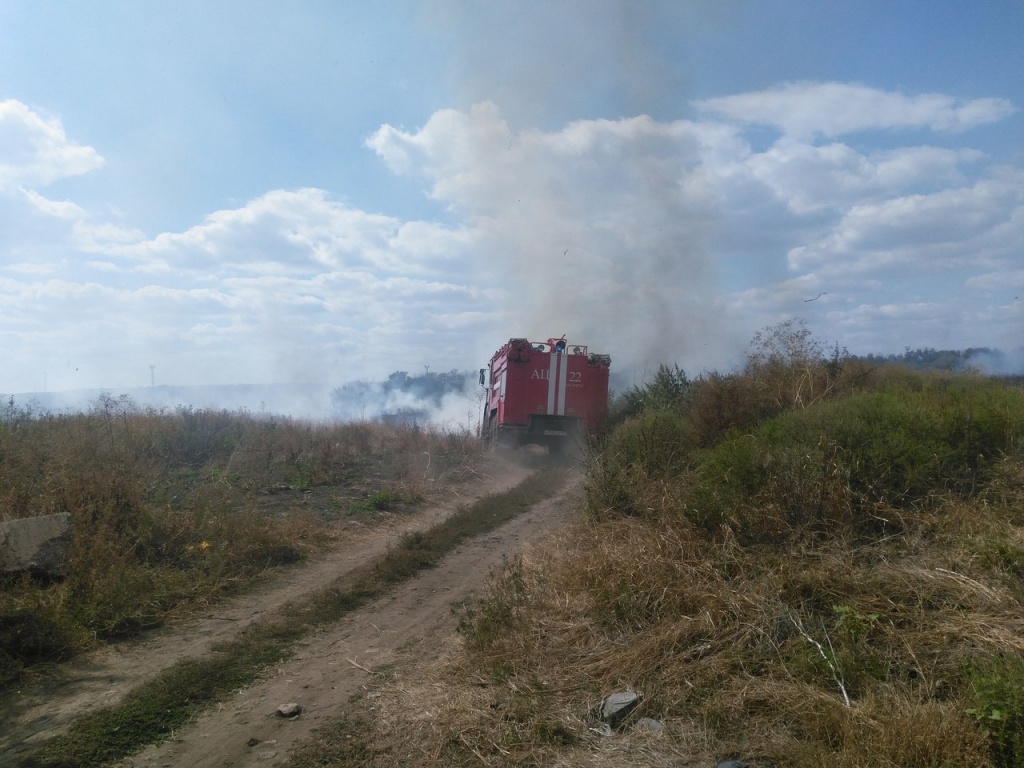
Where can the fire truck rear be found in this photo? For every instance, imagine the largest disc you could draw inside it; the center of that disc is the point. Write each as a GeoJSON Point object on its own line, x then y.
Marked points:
{"type": "Point", "coordinates": [545, 393]}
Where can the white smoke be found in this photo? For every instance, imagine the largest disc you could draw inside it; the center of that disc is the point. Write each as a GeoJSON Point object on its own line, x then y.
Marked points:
{"type": "Point", "coordinates": [598, 231]}
{"type": "Point", "coordinates": [994, 362]}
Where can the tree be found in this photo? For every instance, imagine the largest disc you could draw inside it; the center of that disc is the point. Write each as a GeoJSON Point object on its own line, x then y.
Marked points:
{"type": "Point", "coordinates": [790, 364]}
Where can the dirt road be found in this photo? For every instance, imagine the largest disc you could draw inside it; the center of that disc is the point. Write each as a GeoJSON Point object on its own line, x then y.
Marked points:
{"type": "Point", "coordinates": [326, 669]}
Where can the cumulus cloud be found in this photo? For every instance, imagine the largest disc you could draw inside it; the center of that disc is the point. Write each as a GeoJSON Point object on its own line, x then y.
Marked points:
{"type": "Point", "coordinates": [651, 240]}
{"type": "Point", "coordinates": [35, 151]}
{"type": "Point", "coordinates": [1009, 279]}
{"type": "Point", "coordinates": [291, 286]}
{"type": "Point", "coordinates": [809, 109]}
{"type": "Point", "coordinates": [300, 232]}
{"type": "Point", "coordinates": [809, 178]}
{"type": "Point", "coordinates": [920, 324]}
{"type": "Point", "coordinates": [959, 226]}
{"type": "Point", "coordinates": [845, 234]}
{"type": "Point", "coordinates": [557, 232]}
{"type": "Point", "coordinates": [82, 230]}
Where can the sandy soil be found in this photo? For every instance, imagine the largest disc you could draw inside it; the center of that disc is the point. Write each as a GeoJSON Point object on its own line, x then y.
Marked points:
{"type": "Point", "coordinates": [325, 671]}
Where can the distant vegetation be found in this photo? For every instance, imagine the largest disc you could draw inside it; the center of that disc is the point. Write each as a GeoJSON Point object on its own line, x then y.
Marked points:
{"type": "Point", "coordinates": [815, 560]}
{"type": "Point", "coordinates": [402, 398]}
{"type": "Point", "coordinates": [174, 509]}
{"type": "Point", "coordinates": [977, 359]}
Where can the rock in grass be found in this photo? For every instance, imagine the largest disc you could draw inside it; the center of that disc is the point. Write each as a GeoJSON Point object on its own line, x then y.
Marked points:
{"type": "Point", "coordinates": [614, 708]}
{"type": "Point", "coordinates": [732, 764]}
{"type": "Point", "coordinates": [37, 545]}
{"type": "Point", "coordinates": [289, 710]}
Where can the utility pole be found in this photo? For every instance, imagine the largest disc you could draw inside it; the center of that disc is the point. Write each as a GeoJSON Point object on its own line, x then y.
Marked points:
{"type": "Point", "coordinates": [152, 375]}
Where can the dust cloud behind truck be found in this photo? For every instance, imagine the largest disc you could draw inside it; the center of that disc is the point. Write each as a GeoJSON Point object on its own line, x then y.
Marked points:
{"type": "Point", "coordinates": [545, 393]}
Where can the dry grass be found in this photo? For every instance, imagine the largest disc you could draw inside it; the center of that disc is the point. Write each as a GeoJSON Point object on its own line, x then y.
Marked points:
{"type": "Point", "coordinates": [711, 640]}
{"type": "Point", "coordinates": [171, 511]}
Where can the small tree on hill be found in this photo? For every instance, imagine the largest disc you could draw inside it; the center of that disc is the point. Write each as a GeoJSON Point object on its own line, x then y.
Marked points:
{"type": "Point", "coordinates": [791, 366]}
{"type": "Point", "coordinates": [667, 389]}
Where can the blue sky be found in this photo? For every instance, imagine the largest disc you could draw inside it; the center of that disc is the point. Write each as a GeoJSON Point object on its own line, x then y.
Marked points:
{"type": "Point", "coordinates": [252, 192]}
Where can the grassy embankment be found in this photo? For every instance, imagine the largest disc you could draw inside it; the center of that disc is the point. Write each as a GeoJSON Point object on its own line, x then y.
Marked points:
{"type": "Point", "coordinates": [172, 511]}
{"type": "Point", "coordinates": [805, 563]}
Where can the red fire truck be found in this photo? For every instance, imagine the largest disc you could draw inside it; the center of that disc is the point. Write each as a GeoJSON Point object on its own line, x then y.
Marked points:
{"type": "Point", "coordinates": [545, 393]}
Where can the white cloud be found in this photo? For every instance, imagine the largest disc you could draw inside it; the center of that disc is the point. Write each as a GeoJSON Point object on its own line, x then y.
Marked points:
{"type": "Point", "coordinates": [892, 239]}
{"type": "Point", "coordinates": [35, 151]}
{"type": "Point", "coordinates": [300, 232]}
{"type": "Point", "coordinates": [907, 166]}
{"type": "Point", "coordinates": [956, 324]}
{"type": "Point", "coordinates": [809, 109]}
{"type": "Point", "coordinates": [290, 286]}
{"type": "Point", "coordinates": [81, 229]}
{"type": "Point", "coordinates": [57, 209]}
{"type": "Point", "coordinates": [654, 241]}
{"type": "Point", "coordinates": [969, 226]}
{"type": "Point", "coordinates": [809, 178]}
{"type": "Point", "coordinates": [1005, 280]}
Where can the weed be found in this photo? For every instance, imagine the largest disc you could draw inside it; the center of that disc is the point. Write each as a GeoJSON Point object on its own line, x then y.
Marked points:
{"type": "Point", "coordinates": [390, 500]}
{"type": "Point", "coordinates": [346, 741]}
{"type": "Point", "coordinates": [998, 707]}
{"type": "Point", "coordinates": [498, 613]}
{"type": "Point", "coordinates": [665, 391]}
{"type": "Point", "coordinates": [853, 624]}
{"type": "Point", "coordinates": [30, 634]}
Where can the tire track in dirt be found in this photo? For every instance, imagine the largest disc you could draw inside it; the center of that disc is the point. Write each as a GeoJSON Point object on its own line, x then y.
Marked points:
{"type": "Point", "coordinates": [39, 710]}
{"type": "Point", "coordinates": [331, 667]}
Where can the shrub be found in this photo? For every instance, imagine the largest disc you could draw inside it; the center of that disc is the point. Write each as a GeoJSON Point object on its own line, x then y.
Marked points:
{"type": "Point", "coordinates": [668, 389]}
{"type": "Point", "coordinates": [791, 367]}
{"type": "Point", "coordinates": [32, 629]}
{"type": "Point", "coordinates": [843, 462]}
{"type": "Point", "coordinates": [655, 444]}
{"type": "Point", "coordinates": [721, 404]}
